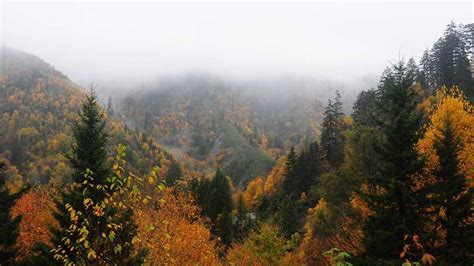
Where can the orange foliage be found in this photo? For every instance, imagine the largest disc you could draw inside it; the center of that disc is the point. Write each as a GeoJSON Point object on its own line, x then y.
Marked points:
{"type": "Point", "coordinates": [174, 233]}
{"type": "Point", "coordinates": [450, 104]}
{"type": "Point", "coordinates": [36, 207]}
{"type": "Point", "coordinates": [239, 255]}
{"type": "Point", "coordinates": [347, 237]}
{"type": "Point", "coordinates": [275, 178]}
{"type": "Point", "coordinates": [254, 193]}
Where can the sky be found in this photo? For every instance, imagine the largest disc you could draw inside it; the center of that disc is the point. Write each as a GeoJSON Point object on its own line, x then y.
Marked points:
{"type": "Point", "coordinates": [118, 40]}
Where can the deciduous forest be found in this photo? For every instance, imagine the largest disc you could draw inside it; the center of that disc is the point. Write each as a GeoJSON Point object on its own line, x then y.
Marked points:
{"type": "Point", "coordinates": [198, 169]}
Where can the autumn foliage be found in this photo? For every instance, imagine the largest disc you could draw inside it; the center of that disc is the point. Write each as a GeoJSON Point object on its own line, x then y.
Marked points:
{"type": "Point", "coordinates": [36, 208]}
{"type": "Point", "coordinates": [173, 231]}
{"type": "Point", "coordinates": [452, 105]}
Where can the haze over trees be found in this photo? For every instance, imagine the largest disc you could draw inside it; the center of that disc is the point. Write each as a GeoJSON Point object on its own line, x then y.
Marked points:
{"type": "Point", "coordinates": [197, 169]}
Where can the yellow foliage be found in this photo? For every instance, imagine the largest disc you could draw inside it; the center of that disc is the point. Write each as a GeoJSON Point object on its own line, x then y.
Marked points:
{"type": "Point", "coordinates": [175, 233]}
{"type": "Point", "coordinates": [450, 104]}
{"type": "Point", "coordinates": [276, 177]}
{"type": "Point", "coordinates": [347, 236]}
{"type": "Point", "coordinates": [254, 193]}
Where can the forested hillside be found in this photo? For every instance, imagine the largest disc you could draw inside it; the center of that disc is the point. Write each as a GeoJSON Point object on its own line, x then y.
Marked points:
{"type": "Point", "coordinates": [39, 105]}
{"type": "Point", "coordinates": [262, 176]}
{"type": "Point", "coordinates": [209, 122]}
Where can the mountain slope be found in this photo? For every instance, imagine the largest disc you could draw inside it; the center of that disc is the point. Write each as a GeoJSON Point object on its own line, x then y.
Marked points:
{"type": "Point", "coordinates": [38, 106]}
{"type": "Point", "coordinates": [209, 122]}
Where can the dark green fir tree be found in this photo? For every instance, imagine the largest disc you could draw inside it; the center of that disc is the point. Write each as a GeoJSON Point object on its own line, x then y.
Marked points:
{"type": "Point", "coordinates": [395, 205]}
{"type": "Point", "coordinates": [89, 162]}
{"type": "Point", "coordinates": [174, 172]}
{"type": "Point", "coordinates": [332, 139]}
{"type": "Point", "coordinates": [451, 201]}
{"type": "Point", "coordinates": [9, 226]}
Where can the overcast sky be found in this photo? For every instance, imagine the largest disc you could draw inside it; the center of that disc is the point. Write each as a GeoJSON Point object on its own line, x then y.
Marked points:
{"type": "Point", "coordinates": [341, 41]}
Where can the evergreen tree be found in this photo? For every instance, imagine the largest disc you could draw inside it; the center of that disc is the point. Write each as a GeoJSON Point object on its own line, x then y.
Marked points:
{"type": "Point", "coordinates": [13, 140]}
{"type": "Point", "coordinates": [302, 171]}
{"type": "Point", "coordinates": [89, 162]}
{"type": "Point", "coordinates": [332, 140]}
{"type": "Point", "coordinates": [174, 172]}
{"type": "Point", "coordinates": [365, 108]}
{"type": "Point", "coordinates": [147, 122]}
{"type": "Point", "coordinates": [243, 221]}
{"type": "Point", "coordinates": [451, 200]}
{"type": "Point", "coordinates": [110, 108]}
{"type": "Point", "coordinates": [287, 217]}
{"type": "Point", "coordinates": [89, 151]}
{"type": "Point", "coordinates": [224, 228]}
{"type": "Point", "coordinates": [394, 202]}
{"type": "Point", "coordinates": [290, 164]}
{"type": "Point", "coordinates": [220, 196]}
{"type": "Point", "coordinates": [290, 160]}
{"type": "Point", "coordinates": [9, 226]}
{"type": "Point", "coordinates": [427, 78]}
{"type": "Point", "coordinates": [451, 64]}
{"type": "Point", "coordinates": [215, 198]}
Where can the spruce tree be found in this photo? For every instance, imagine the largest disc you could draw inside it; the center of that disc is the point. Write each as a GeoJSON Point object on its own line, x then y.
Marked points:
{"type": "Point", "coordinates": [451, 198]}
{"type": "Point", "coordinates": [451, 64]}
{"type": "Point", "coordinates": [287, 217]}
{"type": "Point", "coordinates": [174, 172]}
{"type": "Point", "coordinates": [220, 207]}
{"type": "Point", "coordinates": [243, 221]}
{"type": "Point", "coordinates": [395, 205]}
{"type": "Point", "coordinates": [9, 226]}
{"type": "Point", "coordinates": [302, 171]}
{"type": "Point", "coordinates": [365, 108]}
{"type": "Point", "coordinates": [89, 162]}
{"type": "Point", "coordinates": [224, 228]}
{"type": "Point", "coordinates": [332, 140]}
{"type": "Point", "coordinates": [290, 165]}
{"type": "Point", "coordinates": [110, 108]}
{"type": "Point", "coordinates": [427, 78]}
{"type": "Point", "coordinates": [215, 198]}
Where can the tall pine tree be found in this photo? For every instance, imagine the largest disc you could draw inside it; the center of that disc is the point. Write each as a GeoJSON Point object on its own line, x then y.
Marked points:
{"type": "Point", "coordinates": [393, 201]}
{"type": "Point", "coordinates": [332, 140]}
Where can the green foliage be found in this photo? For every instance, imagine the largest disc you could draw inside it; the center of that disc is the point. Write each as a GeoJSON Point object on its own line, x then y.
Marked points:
{"type": "Point", "coordinates": [215, 198]}
{"type": "Point", "coordinates": [38, 105]}
{"type": "Point", "coordinates": [302, 171]}
{"type": "Point", "coordinates": [393, 200]}
{"type": "Point", "coordinates": [267, 243]}
{"type": "Point", "coordinates": [338, 257]}
{"type": "Point", "coordinates": [365, 108]}
{"type": "Point", "coordinates": [332, 139]}
{"type": "Point", "coordinates": [450, 200]}
{"type": "Point", "coordinates": [247, 162]}
{"type": "Point", "coordinates": [288, 217]}
{"type": "Point", "coordinates": [93, 227]}
{"type": "Point", "coordinates": [213, 121]}
{"type": "Point", "coordinates": [8, 225]}
{"type": "Point", "coordinates": [174, 173]}
{"type": "Point", "coordinates": [89, 151]}
{"type": "Point", "coordinates": [447, 63]}
{"type": "Point", "coordinates": [242, 221]}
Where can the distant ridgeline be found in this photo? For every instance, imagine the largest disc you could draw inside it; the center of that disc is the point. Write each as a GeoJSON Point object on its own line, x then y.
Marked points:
{"type": "Point", "coordinates": [38, 106]}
